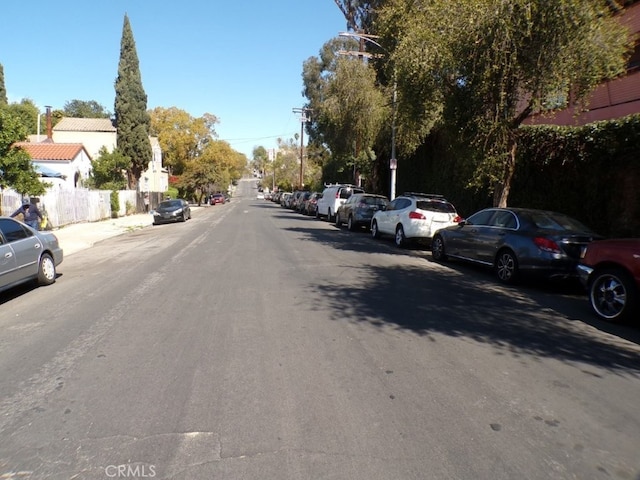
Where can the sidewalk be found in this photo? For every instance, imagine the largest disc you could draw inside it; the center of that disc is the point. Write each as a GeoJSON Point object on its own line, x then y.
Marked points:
{"type": "Point", "coordinates": [80, 236]}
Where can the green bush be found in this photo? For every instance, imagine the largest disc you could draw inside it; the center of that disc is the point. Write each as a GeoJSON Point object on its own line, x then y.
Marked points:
{"type": "Point", "coordinates": [114, 199]}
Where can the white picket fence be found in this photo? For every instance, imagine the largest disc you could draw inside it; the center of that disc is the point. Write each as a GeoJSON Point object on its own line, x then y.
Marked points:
{"type": "Point", "coordinates": [67, 206]}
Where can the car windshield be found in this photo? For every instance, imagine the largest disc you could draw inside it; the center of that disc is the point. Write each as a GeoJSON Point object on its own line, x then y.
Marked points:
{"type": "Point", "coordinates": [373, 201]}
{"type": "Point", "coordinates": [556, 221]}
{"type": "Point", "coordinates": [170, 204]}
{"type": "Point", "coordinates": [347, 192]}
{"type": "Point", "coordinates": [435, 206]}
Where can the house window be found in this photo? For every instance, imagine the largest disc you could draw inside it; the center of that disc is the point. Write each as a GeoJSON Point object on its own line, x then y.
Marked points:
{"type": "Point", "coordinates": [634, 60]}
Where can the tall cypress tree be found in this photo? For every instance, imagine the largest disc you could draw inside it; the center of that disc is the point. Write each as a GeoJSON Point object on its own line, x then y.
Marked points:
{"type": "Point", "coordinates": [132, 119]}
{"type": "Point", "coordinates": [3, 90]}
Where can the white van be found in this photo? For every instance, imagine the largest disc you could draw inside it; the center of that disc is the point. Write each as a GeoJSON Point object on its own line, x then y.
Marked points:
{"type": "Point", "coordinates": [332, 197]}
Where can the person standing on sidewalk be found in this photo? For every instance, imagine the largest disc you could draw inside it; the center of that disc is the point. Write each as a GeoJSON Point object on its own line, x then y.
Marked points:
{"type": "Point", "coordinates": [31, 214]}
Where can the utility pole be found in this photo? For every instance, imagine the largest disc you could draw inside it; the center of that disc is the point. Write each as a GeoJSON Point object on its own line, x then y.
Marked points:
{"type": "Point", "coordinates": [303, 112]}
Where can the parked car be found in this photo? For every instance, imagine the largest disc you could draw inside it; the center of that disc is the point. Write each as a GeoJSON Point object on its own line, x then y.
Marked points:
{"type": "Point", "coordinates": [516, 240]}
{"type": "Point", "coordinates": [332, 197]}
{"type": "Point", "coordinates": [296, 198]}
{"type": "Point", "coordinates": [27, 254]}
{"type": "Point", "coordinates": [312, 204]}
{"type": "Point", "coordinates": [610, 271]}
{"type": "Point", "coordinates": [285, 199]}
{"type": "Point", "coordinates": [217, 198]}
{"type": "Point", "coordinates": [301, 206]}
{"type": "Point", "coordinates": [414, 217]}
{"type": "Point", "coordinates": [169, 211]}
{"type": "Point", "coordinates": [358, 211]}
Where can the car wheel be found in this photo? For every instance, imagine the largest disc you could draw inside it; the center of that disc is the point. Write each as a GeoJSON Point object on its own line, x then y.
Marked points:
{"type": "Point", "coordinates": [183, 218]}
{"type": "Point", "coordinates": [506, 267]}
{"type": "Point", "coordinates": [338, 221]}
{"type": "Point", "coordinates": [400, 239]}
{"type": "Point", "coordinates": [438, 252]}
{"type": "Point", "coordinates": [350, 224]}
{"type": "Point", "coordinates": [375, 233]}
{"type": "Point", "coordinates": [612, 295]}
{"type": "Point", "coordinates": [317, 215]}
{"type": "Point", "coordinates": [46, 270]}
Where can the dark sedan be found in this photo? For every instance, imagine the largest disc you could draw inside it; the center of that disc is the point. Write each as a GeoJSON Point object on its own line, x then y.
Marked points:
{"type": "Point", "coordinates": [516, 240]}
{"type": "Point", "coordinates": [358, 210]}
{"type": "Point", "coordinates": [27, 254]}
{"type": "Point", "coordinates": [170, 211]}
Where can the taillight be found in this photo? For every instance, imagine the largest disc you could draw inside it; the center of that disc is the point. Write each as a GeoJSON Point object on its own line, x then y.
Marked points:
{"type": "Point", "coordinates": [416, 216]}
{"type": "Point", "coordinates": [458, 219]}
{"type": "Point", "coordinates": [546, 245]}
{"type": "Point", "coordinates": [337, 194]}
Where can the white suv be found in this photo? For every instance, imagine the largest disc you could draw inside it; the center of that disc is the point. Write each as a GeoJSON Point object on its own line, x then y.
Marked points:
{"type": "Point", "coordinates": [414, 216]}
{"type": "Point", "coordinates": [332, 197]}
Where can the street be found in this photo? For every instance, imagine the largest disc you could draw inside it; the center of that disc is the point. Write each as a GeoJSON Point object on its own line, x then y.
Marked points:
{"type": "Point", "coordinates": [255, 343]}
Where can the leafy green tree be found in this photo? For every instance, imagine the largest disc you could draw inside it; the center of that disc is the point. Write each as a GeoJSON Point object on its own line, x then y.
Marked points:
{"type": "Point", "coordinates": [181, 136]}
{"type": "Point", "coordinates": [350, 108]}
{"type": "Point", "coordinates": [27, 112]}
{"type": "Point", "coordinates": [85, 109]}
{"type": "Point", "coordinates": [197, 179]}
{"type": "Point", "coordinates": [3, 88]}
{"type": "Point", "coordinates": [16, 168]}
{"type": "Point", "coordinates": [491, 63]}
{"type": "Point", "coordinates": [107, 170]}
{"type": "Point", "coordinates": [260, 158]}
{"type": "Point", "coordinates": [132, 119]}
{"type": "Point", "coordinates": [359, 14]}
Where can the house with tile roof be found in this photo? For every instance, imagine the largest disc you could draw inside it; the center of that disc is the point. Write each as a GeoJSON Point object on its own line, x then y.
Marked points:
{"type": "Point", "coordinates": [71, 160]}
{"type": "Point", "coordinates": [95, 133]}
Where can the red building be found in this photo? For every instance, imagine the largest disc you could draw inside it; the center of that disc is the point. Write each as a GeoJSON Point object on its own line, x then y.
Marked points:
{"type": "Point", "coordinates": [613, 99]}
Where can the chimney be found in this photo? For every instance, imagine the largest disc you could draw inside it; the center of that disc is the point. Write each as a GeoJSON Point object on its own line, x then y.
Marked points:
{"type": "Point", "coordinates": [49, 126]}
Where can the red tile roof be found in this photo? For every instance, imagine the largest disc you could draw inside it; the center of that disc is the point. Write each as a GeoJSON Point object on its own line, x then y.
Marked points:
{"type": "Point", "coordinates": [52, 151]}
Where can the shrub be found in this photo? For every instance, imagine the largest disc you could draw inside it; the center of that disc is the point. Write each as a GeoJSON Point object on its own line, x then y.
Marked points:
{"type": "Point", "coordinates": [114, 199]}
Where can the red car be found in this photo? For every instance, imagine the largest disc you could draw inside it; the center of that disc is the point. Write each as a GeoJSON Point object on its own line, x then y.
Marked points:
{"type": "Point", "coordinates": [217, 198]}
{"type": "Point", "coordinates": [610, 270]}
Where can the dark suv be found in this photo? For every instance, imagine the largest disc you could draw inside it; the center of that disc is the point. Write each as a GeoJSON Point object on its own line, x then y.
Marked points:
{"type": "Point", "coordinates": [358, 210]}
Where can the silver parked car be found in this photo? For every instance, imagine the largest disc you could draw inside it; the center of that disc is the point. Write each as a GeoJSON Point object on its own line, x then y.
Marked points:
{"type": "Point", "coordinates": [516, 240]}
{"type": "Point", "coordinates": [27, 254]}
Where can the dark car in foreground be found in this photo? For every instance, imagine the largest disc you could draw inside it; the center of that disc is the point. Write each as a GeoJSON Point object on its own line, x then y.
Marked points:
{"type": "Point", "coordinates": [610, 271]}
{"type": "Point", "coordinates": [27, 254]}
{"type": "Point", "coordinates": [514, 241]}
{"type": "Point", "coordinates": [170, 211]}
{"type": "Point", "coordinates": [359, 209]}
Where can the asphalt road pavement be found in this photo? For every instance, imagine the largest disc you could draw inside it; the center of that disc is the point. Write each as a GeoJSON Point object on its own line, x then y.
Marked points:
{"type": "Point", "coordinates": [254, 343]}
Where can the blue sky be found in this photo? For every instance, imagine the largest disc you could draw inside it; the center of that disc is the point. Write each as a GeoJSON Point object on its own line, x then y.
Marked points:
{"type": "Point", "coordinates": [240, 60]}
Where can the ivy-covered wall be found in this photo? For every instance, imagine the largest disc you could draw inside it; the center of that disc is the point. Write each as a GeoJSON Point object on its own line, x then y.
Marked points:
{"type": "Point", "coordinates": [591, 173]}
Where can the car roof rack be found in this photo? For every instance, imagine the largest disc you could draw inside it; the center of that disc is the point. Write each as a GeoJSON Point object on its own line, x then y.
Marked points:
{"type": "Point", "coordinates": [427, 195]}
{"type": "Point", "coordinates": [327, 185]}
